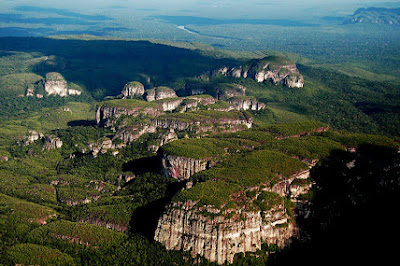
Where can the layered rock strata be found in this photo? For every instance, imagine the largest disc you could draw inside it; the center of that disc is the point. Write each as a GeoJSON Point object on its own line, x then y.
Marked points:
{"type": "Point", "coordinates": [220, 233]}
{"type": "Point", "coordinates": [182, 168]}
{"type": "Point", "coordinates": [278, 70]}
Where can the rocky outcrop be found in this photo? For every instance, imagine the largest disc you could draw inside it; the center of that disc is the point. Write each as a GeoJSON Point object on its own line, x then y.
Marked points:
{"type": "Point", "coordinates": [274, 68]}
{"type": "Point", "coordinates": [294, 80]}
{"type": "Point", "coordinates": [133, 89]}
{"type": "Point", "coordinates": [52, 142]}
{"type": "Point", "coordinates": [159, 93]}
{"type": "Point", "coordinates": [56, 84]}
{"type": "Point", "coordinates": [32, 136]}
{"type": "Point", "coordinates": [101, 146]}
{"type": "Point", "coordinates": [109, 225]}
{"type": "Point", "coordinates": [374, 15]}
{"type": "Point", "coordinates": [220, 233]}
{"type": "Point", "coordinates": [245, 103]}
{"type": "Point", "coordinates": [182, 168]}
{"type": "Point", "coordinates": [227, 90]}
{"type": "Point", "coordinates": [220, 236]}
{"type": "Point", "coordinates": [133, 133]}
{"type": "Point", "coordinates": [202, 125]}
{"type": "Point", "coordinates": [108, 115]}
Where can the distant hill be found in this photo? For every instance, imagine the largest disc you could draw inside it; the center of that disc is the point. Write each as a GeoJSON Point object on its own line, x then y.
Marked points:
{"type": "Point", "coordinates": [374, 15]}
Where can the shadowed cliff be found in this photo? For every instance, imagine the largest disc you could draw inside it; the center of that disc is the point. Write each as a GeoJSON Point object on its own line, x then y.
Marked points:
{"type": "Point", "coordinates": [354, 207]}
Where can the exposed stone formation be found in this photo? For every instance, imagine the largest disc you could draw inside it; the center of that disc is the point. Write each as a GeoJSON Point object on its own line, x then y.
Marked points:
{"type": "Point", "coordinates": [246, 103]}
{"type": "Point", "coordinates": [277, 69]}
{"type": "Point", "coordinates": [182, 168]}
{"type": "Point", "coordinates": [56, 84]}
{"type": "Point", "coordinates": [219, 234]}
{"type": "Point", "coordinates": [374, 15]}
{"type": "Point", "coordinates": [52, 142]}
{"type": "Point", "coordinates": [159, 93]}
{"type": "Point", "coordinates": [227, 90]}
{"type": "Point", "coordinates": [133, 89]}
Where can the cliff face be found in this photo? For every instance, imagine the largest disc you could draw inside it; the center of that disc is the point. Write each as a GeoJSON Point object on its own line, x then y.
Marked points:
{"type": "Point", "coordinates": [133, 89]}
{"type": "Point", "coordinates": [245, 103]}
{"type": "Point", "coordinates": [182, 168]}
{"type": "Point", "coordinates": [278, 70]}
{"type": "Point", "coordinates": [220, 233]}
{"type": "Point", "coordinates": [108, 115]}
{"type": "Point", "coordinates": [56, 84]}
{"type": "Point", "coordinates": [159, 93]}
{"type": "Point", "coordinates": [226, 91]}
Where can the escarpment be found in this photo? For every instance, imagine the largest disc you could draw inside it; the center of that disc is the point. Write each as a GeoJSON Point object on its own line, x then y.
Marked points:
{"type": "Point", "coordinates": [132, 118]}
{"type": "Point", "coordinates": [235, 210]}
{"type": "Point", "coordinates": [243, 189]}
{"type": "Point", "coordinates": [133, 89]}
{"type": "Point", "coordinates": [55, 84]}
{"type": "Point", "coordinates": [274, 68]}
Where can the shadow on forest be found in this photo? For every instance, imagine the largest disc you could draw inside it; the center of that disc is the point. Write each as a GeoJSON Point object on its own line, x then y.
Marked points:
{"type": "Point", "coordinates": [78, 123]}
{"type": "Point", "coordinates": [142, 165]}
{"type": "Point", "coordinates": [354, 211]}
{"type": "Point", "coordinates": [144, 219]}
{"type": "Point", "coordinates": [103, 67]}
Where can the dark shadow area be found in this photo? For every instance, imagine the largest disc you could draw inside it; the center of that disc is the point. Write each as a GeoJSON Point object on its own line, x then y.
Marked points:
{"type": "Point", "coordinates": [103, 67]}
{"type": "Point", "coordinates": [142, 165]}
{"type": "Point", "coordinates": [353, 217]}
{"type": "Point", "coordinates": [145, 219]}
{"type": "Point", "coordinates": [78, 123]}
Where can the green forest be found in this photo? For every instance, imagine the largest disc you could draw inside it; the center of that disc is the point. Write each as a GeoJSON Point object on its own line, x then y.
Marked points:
{"type": "Point", "coordinates": [83, 204]}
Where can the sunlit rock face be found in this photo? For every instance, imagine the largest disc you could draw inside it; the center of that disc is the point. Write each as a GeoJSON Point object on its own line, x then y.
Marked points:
{"type": "Point", "coordinates": [56, 84]}
{"type": "Point", "coordinates": [133, 89]}
{"type": "Point", "coordinates": [276, 69]}
{"type": "Point", "coordinates": [159, 93]}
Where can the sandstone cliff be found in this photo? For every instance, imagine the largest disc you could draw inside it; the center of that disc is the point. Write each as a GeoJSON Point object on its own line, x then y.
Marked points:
{"type": "Point", "coordinates": [218, 234]}
{"type": "Point", "coordinates": [182, 168]}
{"type": "Point", "coordinates": [133, 89]}
{"type": "Point", "coordinates": [56, 84]}
{"type": "Point", "coordinates": [274, 68]}
{"type": "Point", "coordinates": [159, 93]}
{"type": "Point", "coordinates": [217, 220]}
{"type": "Point", "coordinates": [219, 237]}
{"type": "Point", "coordinates": [246, 103]}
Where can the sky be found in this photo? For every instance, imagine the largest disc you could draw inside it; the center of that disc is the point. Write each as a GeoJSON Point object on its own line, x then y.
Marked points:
{"type": "Point", "coordinates": [208, 8]}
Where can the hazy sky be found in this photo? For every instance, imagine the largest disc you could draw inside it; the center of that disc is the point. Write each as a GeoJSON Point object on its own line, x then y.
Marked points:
{"type": "Point", "coordinates": [209, 8]}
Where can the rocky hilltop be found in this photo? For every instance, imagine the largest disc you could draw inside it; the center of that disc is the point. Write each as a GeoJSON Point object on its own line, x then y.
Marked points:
{"type": "Point", "coordinates": [276, 69]}
{"type": "Point", "coordinates": [374, 15]}
{"type": "Point", "coordinates": [228, 209]}
{"type": "Point", "coordinates": [132, 118]}
{"type": "Point", "coordinates": [133, 89]}
{"type": "Point", "coordinates": [56, 84]}
{"type": "Point", "coordinates": [222, 217]}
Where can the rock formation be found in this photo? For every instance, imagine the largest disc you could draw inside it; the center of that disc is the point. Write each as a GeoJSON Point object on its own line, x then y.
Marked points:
{"type": "Point", "coordinates": [32, 136]}
{"type": "Point", "coordinates": [56, 84]}
{"type": "Point", "coordinates": [159, 93]}
{"type": "Point", "coordinates": [182, 168]}
{"type": "Point", "coordinates": [52, 142]}
{"type": "Point", "coordinates": [374, 15]}
{"type": "Point", "coordinates": [277, 69]}
{"type": "Point", "coordinates": [246, 103]}
{"type": "Point", "coordinates": [101, 146]}
{"type": "Point", "coordinates": [227, 90]}
{"type": "Point", "coordinates": [133, 89]}
{"type": "Point", "coordinates": [219, 234]}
